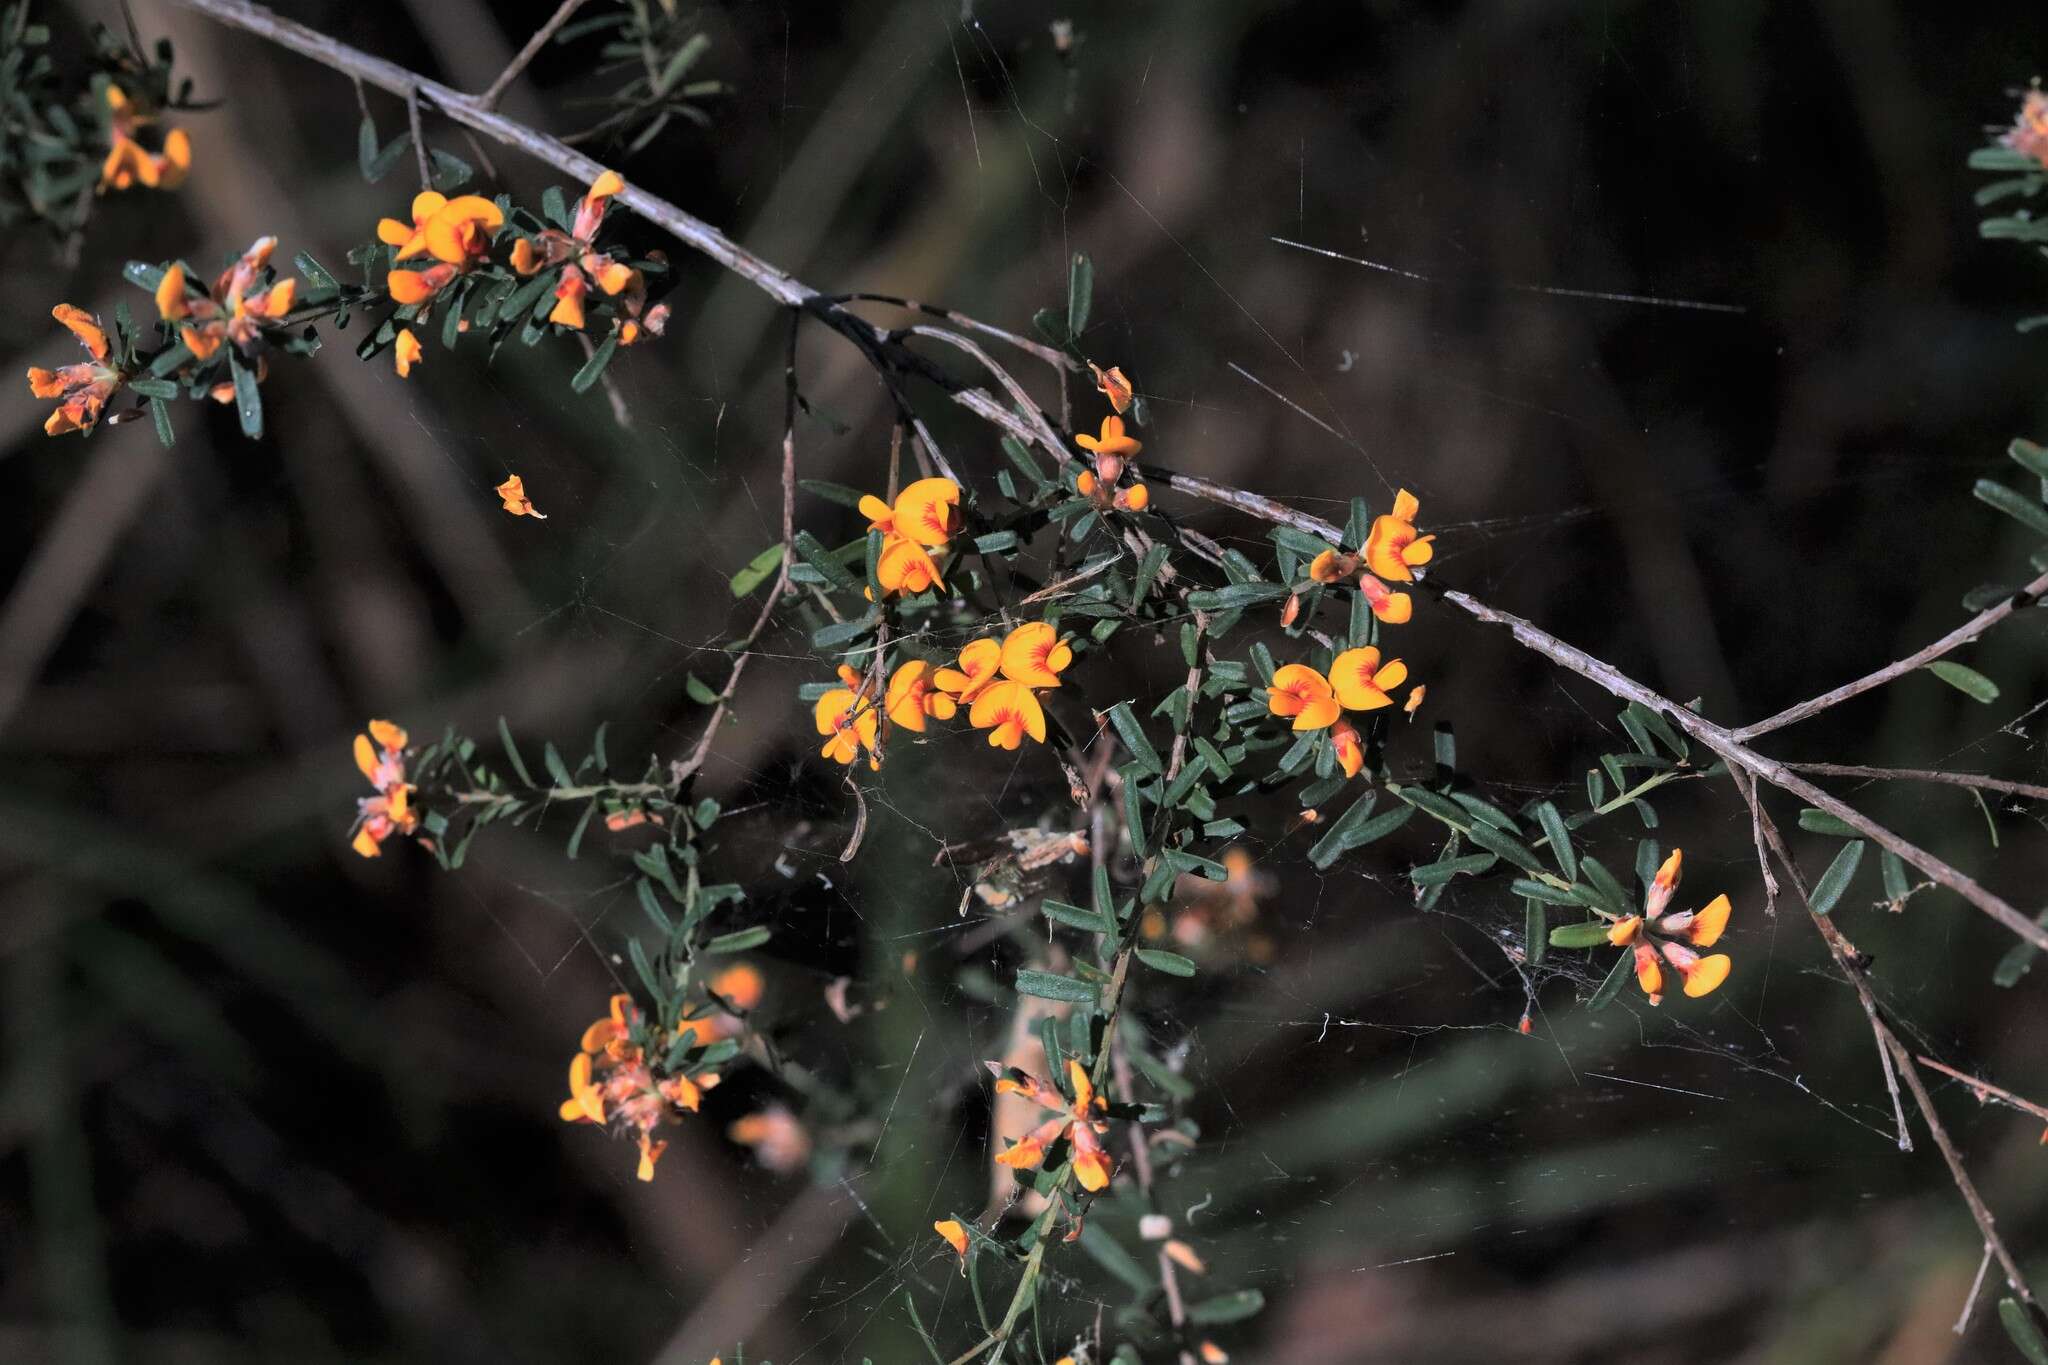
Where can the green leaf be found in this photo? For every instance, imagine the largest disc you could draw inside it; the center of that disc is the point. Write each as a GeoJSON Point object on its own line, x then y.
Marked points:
{"type": "Point", "coordinates": [1535, 940]}
{"type": "Point", "coordinates": [843, 632]}
{"type": "Point", "coordinates": [2018, 959]}
{"type": "Point", "coordinates": [739, 940]}
{"type": "Point", "coordinates": [1444, 869]}
{"type": "Point", "coordinates": [1344, 833]}
{"type": "Point", "coordinates": [1552, 820]}
{"type": "Point", "coordinates": [593, 368]}
{"type": "Point", "coordinates": [700, 691]}
{"type": "Point", "coordinates": [1820, 822]}
{"type": "Point", "coordinates": [1591, 934]}
{"type": "Point", "coordinates": [758, 570]}
{"type": "Point", "coordinates": [813, 552]}
{"type": "Point", "coordinates": [1226, 1308]}
{"type": "Point", "coordinates": [1080, 293]}
{"type": "Point", "coordinates": [1610, 986]}
{"type": "Point", "coordinates": [1441, 808]}
{"type": "Point", "coordinates": [248, 398]}
{"type": "Point", "coordinates": [1105, 902]}
{"type": "Point", "coordinates": [1833, 882]}
{"type": "Point", "coordinates": [1073, 916]}
{"type": "Point", "coordinates": [512, 752]}
{"type": "Point", "coordinates": [1896, 884]}
{"type": "Point", "coordinates": [1134, 806]}
{"type": "Point", "coordinates": [1506, 846]}
{"type": "Point", "coordinates": [161, 413]}
{"type": "Point", "coordinates": [2030, 457]}
{"type": "Point", "coordinates": [1173, 964]}
{"type": "Point", "coordinates": [1111, 1256]}
{"type": "Point", "coordinates": [315, 273]}
{"type": "Point", "coordinates": [380, 163]}
{"type": "Point", "coordinates": [2019, 1324]}
{"type": "Point", "coordinates": [643, 891]}
{"type": "Point", "coordinates": [366, 146]}
{"type": "Point", "coordinates": [557, 769]}
{"type": "Point", "coordinates": [1052, 986]}
{"type": "Point", "coordinates": [2028, 513]}
{"type": "Point", "coordinates": [1964, 679]}
{"type": "Point", "coordinates": [1233, 596]}
{"type": "Point", "coordinates": [647, 975]}
{"type": "Point", "coordinates": [1133, 736]}
{"type": "Point", "coordinates": [1530, 889]}
{"type": "Point", "coordinates": [451, 172]}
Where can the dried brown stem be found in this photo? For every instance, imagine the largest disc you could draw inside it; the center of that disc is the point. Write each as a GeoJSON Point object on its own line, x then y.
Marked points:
{"type": "Point", "coordinates": [490, 97]}
{"type": "Point", "coordinates": [1986, 1091]}
{"type": "Point", "coordinates": [419, 137]}
{"type": "Point", "coordinates": [1935, 775]}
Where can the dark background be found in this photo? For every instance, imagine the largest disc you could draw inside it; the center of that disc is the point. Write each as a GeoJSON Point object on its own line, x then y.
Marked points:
{"type": "Point", "coordinates": [263, 1100]}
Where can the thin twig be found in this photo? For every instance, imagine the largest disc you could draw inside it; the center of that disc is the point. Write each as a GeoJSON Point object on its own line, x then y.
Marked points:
{"type": "Point", "coordinates": [621, 414]}
{"type": "Point", "coordinates": [1976, 1287]}
{"type": "Point", "coordinates": [489, 98]}
{"type": "Point", "coordinates": [419, 138]}
{"type": "Point", "coordinates": [1975, 780]}
{"type": "Point", "coordinates": [1986, 1091]}
{"type": "Point", "coordinates": [1961, 635]}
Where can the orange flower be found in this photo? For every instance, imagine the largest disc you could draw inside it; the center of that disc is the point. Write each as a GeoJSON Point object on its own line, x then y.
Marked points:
{"type": "Point", "coordinates": [847, 716]}
{"type": "Point", "coordinates": [457, 232]}
{"type": "Point", "coordinates": [84, 388]}
{"type": "Point", "coordinates": [779, 1140]}
{"type": "Point", "coordinates": [739, 987]}
{"type": "Point", "coordinates": [582, 264]}
{"type": "Point", "coordinates": [1033, 654]}
{"type": "Point", "coordinates": [1362, 682]}
{"type": "Point", "coordinates": [1394, 608]}
{"type": "Point", "coordinates": [906, 568]}
{"type": "Point", "coordinates": [406, 353]}
{"type": "Point", "coordinates": [1078, 1120]}
{"type": "Point", "coordinates": [979, 662]}
{"type": "Point", "coordinates": [1350, 752]}
{"type": "Point", "coordinates": [380, 756]}
{"type": "Point", "coordinates": [912, 695]}
{"type": "Point", "coordinates": [1332, 567]}
{"type": "Point", "coordinates": [1301, 692]}
{"type": "Point", "coordinates": [611, 1083]}
{"type": "Point", "coordinates": [128, 162]}
{"type": "Point", "coordinates": [1392, 548]}
{"type": "Point", "coordinates": [1112, 384]}
{"type": "Point", "coordinates": [513, 491]}
{"type": "Point", "coordinates": [927, 513]}
{"type": "Point", "coordinates": [2029, 133]}
{"type": "Point", "coordinates": [1008, 710]}
{"type": "Point", "coordinates": [244, 301]}
{"type": "Point", "coordinates": [411, 238]}
{"type": "Point", "coordinates": [1676, 937]}
{"type": "Point", "coordinates": [1112, 441]}
{"type": "Point", "coordinates": [1136, 498]}
{"type": "Point", "coordinates": [955, 1234]}
{"type": "Point", "coordinates": [569, 292]}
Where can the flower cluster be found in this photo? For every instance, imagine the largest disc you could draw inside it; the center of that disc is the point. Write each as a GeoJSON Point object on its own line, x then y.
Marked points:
{"type": "Point", "coordinates": [998, 681]}
{"type": "Point", "coordinates": [2029, 132]}
{"type": "Point", "coordinates": [925, 517]}
{"type": "Point", "coordinates": [128, 161]}
{"type": "Point", "coordinates": [611, 1083]}
{"type": "Point", "coordinates": [1112, 450]}
{"type": "Point", "coordinates": [380, 755]}
{"type": "Point", "coordinates": [1393, 550]}
{"type": "Point", "coordinates": [1079, 1120]}
{"type": "Point", "coordinates": [1357, 681]}
{"type": "Point", "coordinates": [1675, 936]}
{"type": "Point", "coordinates": [574, 255]}
{"type": "Point", "coordinates": [84, 388]}
{"type": "Point", "coordinates": [244, 301]}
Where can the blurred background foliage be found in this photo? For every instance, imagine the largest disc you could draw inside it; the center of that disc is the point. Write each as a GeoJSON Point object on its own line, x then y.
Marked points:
{"type": "Point", "coordinates": [264, 1100]}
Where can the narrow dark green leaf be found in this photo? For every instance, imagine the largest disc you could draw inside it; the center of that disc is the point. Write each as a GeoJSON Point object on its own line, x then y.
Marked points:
{"type": "Point", "coordinates": [1133, 736]}
{"type": "Point", "coordinates": [2019, 1324]}
{"type": "Point", "coordinates": [1552, 821]}
{"type": "Point", "coordinates": [843, 632]}
{"type": "Point", "coordinates": [2023, 510]}
{"type": "Point", "coordinates": [1235, 596]}
{"type": "Point", "coordinates": [739, 940]}
{"type": "Point", "coordinates": [1080, 293]}
{"type": "Point", "coordinates": [1820, 822]}
{"type": "Point", "coordinates": [1896, 885]}
{"type": "Point", "coordinates": [2030, 457]}
{"type": "Point", "coordinates": [1052, 986]}
{"type": "Point", "coordinates": [1610, 986]}
{"type": "Point", "coordinates": [1444, 869]}
{"type": "Point", "coordinates": [1535, 937]}
{"type": "Point", "coordinates": [1833, 882]}
{"type": "Point", "coordinates": [593, 368]}
{"type": "Point", "coordinates": [248, 398]}
{"type": "Point", "coordinates": [1105, 902]}
{"type": "Point", "coordinates": [161, 413]}
{"type": "Point", "coordinates": [1226, 1308]}
{"type": "Point", "coordinates": [366, 146]}
{"type": "Point", "coordinates": [1173, 964]}
{"type": "Point", "coordinates": [1965, 680]}
{"type": "Point", "coordinates": [512, 755]}
{"type": "Point", "coordinates": [1591, 934]}
{"type": "Point", "coordinates": [1507, 846]}
{"type": "Point", "coordinates": [2018, 959]}
{"type": "Point", "coordinates": [758, 570]}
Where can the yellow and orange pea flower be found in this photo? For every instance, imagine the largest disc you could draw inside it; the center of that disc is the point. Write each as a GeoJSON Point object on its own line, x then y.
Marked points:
{"type": "Point", "coordinates": [779, 1140]}
{"type": "Point", "coordinates": [1675, 937]}
{"type": "Point", "coordinates": [925, 517]}
{"type": "Point", "coordinates": [513, 494]}
{"type": "Point", "coordinates": [610, 1083]}
{"type": "Point", "coordinates": [1362, 682]}
{"type": "Point", "coordinates": [998, 681]}
{"type": "Point", "coordinates": [848, 717]}
{"type": "Point", "coordinates": [2029, 133]}
{"type": "Point", "coordinates": [456, 233]}
{"type": "Point", "coordinates": [1334, 566]}
{"type": "Point", "coordinates": [912, 695]}
{"type": "Point", "coordinates": [582, 264]}
{"type": "Point", "coordinates": [1112, 384]}
{"type": "Point", "coordinates": [1393, 550]}
{"type": "Point", "coordinates": [1350, 750]}
{"type": "Point", "coordinates": [1112, 450]}
{"type": "Point", "coordinates": [128, 163]}
{"type": "Point", "coordinates": [1079, 1120]}
{"type": "Point", "coordinates": [738, 987]}
{"type": "Point", "coordinates": [380, 755]}
{"type": "Point", "coordinates": [83, 389]}
{"type": "Point", "coordinates": [406, 352]}
{"type": "Point", "coordinates": [237, 310]}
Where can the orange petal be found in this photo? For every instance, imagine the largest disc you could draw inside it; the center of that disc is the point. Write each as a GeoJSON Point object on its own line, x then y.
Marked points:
{"type": "Point", "coordinates": [83, 327]}
{"type": "Point", "coordinates": [1708, 975]}
{"type": "Point", "coordinates": [928, 511]}
{"type": "Point", "coordinates": [170, 293]}
{"type": "Point", "coordinates": [954, 1232]}
{"type": "Point", "coordinates": [388, 735]}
